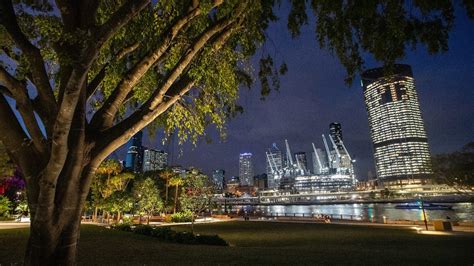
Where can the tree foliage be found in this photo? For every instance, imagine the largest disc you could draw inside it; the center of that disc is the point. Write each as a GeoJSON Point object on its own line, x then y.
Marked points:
{"type": "Point", "coordinates": [197, 192]}
{"type": "Point", "coordinates": [147, 197]}
{"type": "Point", "coordinates": [384, 29]}
{"type": "Point", "coordinates": [456, 168]}
{"type": "Point", "coordinates": [108, 188]}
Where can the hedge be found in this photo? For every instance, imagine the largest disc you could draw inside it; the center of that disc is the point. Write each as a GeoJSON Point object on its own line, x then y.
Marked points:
{"type": "Point", "coordinates": [169, 235]}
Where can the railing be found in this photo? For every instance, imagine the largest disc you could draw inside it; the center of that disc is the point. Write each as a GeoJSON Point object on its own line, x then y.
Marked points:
{"type": "Point", "coordinates": [351, 217]}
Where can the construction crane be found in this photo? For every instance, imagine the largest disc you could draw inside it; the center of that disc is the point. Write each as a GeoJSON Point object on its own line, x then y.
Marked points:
{"type": "Point", "coordinates": [335, 146]}
{"type": "Point", "coordinates": [317, 158]}
{"type": "Point", "coordinates": [270, 163]}
{"type": "Point", "coordinates": [327, 151]}
{"type": "Point", "coordinates": [288, 153]}
{"type": "Point", "coordinates": [344, 147]}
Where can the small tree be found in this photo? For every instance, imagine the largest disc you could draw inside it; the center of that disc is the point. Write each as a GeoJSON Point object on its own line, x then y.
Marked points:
{"type": "Point", "coordinates": [197, 194]}
{"type": "Point", "coordinates": [106, 182]}
{"type": "Point", "coordinates": [147, 198]}
{"type": "Point", "coordinates": [119, 202]}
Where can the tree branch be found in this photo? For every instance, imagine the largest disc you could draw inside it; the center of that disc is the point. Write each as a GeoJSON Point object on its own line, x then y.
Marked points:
{"type": "Point", "coordinates": [39, 76]}
{"type": "Point", "coordinates": [156, 105]}
{"type": "Point", "coordinates": [125, 51]}
{"type": "Point", "coordinates": [123, 131]}
{"type": "Point", "coordinates": [15, 139]}
{"type": "Point", "coordinates": [25, 107]}
{"type": "Point", "coordinates": [197, 46]}
{"type": "Point", "coordinates": [104, 116]}
{"type": "Point", "coordinates": [67, 13]}
{"type": "Point", "coordinates": [95, 82]}
{"type": "Point", "coordinates": [120, 18]}
{"type": "Point", "coordinates": [5, 91]}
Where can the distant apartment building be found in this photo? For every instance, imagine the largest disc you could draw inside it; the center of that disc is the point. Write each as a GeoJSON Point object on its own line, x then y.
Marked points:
{"type": "Point", "coordinates": [154, 160]}
{"type": "Point", "coordinates": [246, 169]}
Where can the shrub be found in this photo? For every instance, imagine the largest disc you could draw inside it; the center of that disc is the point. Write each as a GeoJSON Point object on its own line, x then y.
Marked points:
{"type": "Point", "coordinates": [182, 217]}
{"type": "Point", "coordinates": [5, 207]}
{"type": "Point", "coordinates": [123, 227]}
{"type": "Point", "coordinates": [143, 229]}
{"type": "Point", "coordinates": [168, 235]}
{"type": "Point", "coordinates": [167, 218]}
{"type": "Point", "coordinates": [162, 232]}
{"type": "Point", "coordinates": [185, 238]}
{"type": "Point", "coordinates": [213, 240]}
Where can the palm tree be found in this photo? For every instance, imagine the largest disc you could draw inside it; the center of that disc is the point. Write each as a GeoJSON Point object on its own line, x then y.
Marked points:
{"type": "Point", "coordinates": [176, 181]}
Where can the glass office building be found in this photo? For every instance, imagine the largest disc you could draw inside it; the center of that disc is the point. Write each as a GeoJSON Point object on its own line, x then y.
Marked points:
{"type": "Point", "coordinates": [399, 138]}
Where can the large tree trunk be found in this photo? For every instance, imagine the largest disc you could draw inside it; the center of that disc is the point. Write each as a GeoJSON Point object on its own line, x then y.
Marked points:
{"type": "Point", "coordinates": [95, 214]}
{"type": "Point", "coordinates": [57, 207]}
{"type": "Point", "coordinates": [54, 229]}
{"type": "Point", "coordinates": [53, 244]}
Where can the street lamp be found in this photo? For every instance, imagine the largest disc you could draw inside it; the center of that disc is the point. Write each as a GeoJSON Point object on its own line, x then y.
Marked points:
{"type": "Point", "coordinates": [424, 213]}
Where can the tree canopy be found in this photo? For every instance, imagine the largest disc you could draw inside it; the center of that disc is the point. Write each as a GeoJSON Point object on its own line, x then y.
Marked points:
{"type": "Point", "coordinates": [457, 168]}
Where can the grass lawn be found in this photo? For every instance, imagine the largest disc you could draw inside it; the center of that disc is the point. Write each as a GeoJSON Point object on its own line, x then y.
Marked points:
{"type": "Point", "coordinates": [259, 243]}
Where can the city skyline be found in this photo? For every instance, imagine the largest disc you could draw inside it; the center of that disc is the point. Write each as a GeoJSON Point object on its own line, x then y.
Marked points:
{"type": "Point", "coordinates": [313, 95]}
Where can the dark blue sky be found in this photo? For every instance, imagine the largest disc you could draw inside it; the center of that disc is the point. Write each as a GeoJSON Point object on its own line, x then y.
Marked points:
{"type": "Point", "coordinates": [313, 94]}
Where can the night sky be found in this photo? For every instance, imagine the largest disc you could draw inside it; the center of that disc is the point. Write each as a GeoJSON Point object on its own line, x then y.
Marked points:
{"type": "Point", "coordinates": [313, 94]}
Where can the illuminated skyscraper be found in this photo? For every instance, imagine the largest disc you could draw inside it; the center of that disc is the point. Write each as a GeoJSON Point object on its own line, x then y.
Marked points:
{"type": "Point", "coordinates": [246, 169]}
{"type": "Point", "coordinates": [134, 158]}
{"type": "Point", "coordinates": [399, 139]}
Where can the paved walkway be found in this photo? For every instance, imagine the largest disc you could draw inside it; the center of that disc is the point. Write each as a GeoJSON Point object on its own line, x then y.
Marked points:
{"type": "Point", "coordinates": [13, 225]}
{"type": "Point", "coordinates": [418, 228]}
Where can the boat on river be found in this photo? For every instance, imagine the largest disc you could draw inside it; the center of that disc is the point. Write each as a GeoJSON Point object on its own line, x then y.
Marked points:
{"type": "Point", "coordinates": [426, 206]}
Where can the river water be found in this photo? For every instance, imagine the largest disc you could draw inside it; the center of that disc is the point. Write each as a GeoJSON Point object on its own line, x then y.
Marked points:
{"type": "Point", "coordinates": [369, 211]}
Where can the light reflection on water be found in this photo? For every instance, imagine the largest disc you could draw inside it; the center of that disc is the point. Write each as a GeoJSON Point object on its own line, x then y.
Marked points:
{"type": "Point", "coordinates": [460, 211]}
